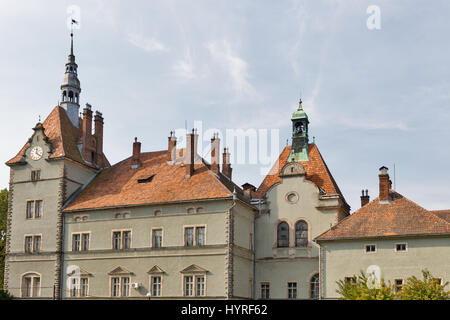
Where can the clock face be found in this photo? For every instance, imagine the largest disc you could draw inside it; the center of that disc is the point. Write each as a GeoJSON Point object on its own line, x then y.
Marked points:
{"type": "Point", "coordinates": [36, 153]}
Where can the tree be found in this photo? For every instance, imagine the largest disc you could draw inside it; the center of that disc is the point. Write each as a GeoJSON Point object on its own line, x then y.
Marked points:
{"type": "Point", "coordinates": [3, 219]}
{"type": "Point", "coordinates": [365, 288]}
{"type": "Point", "coordinates": [429, 288]}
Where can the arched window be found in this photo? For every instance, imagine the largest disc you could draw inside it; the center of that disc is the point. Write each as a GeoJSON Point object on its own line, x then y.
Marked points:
{"type": "Point", "coordinates": [31, 285]}
{"type": "Point", "coordinates": [64, 95]}
{"type": "Point", "coordinates": [76, 97]}
{"type": "Point", "coordinates": [301, 234]}
{"type": "Point", "coordinates": [71, 96]}
{"type": "Point", "coordinates": [283, 235]}
{"type": "Point", "coordinates": [314, 286]}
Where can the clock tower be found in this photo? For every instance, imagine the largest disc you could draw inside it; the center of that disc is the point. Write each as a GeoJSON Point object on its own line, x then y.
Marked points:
{"type": "Point", "coordinates": [299, 151]}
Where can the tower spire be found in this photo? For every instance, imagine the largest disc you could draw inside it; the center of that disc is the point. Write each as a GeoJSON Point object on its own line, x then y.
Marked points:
{"type": "Point", "coordinates": [70, 87]}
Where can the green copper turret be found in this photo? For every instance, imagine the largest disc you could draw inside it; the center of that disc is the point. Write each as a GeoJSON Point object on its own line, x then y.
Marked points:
{"type": "Point", "coordinates": [299, 151]}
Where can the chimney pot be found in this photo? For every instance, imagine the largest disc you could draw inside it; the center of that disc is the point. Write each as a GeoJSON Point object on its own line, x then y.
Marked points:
{"type": "Point", "coordinates": [365, 199]}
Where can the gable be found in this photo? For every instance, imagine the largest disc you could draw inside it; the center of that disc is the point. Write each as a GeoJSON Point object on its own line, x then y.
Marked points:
{"type": "Point", "coordinates": [156, 270]}
{"type": "Point", "coordinates": [120, 271]}
{"type": "Point", "coordinates": [194, 269]}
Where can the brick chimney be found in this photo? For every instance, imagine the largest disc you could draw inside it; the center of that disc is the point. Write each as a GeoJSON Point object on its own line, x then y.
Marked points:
{"type": "Point", "coordinates": [88, 151]}
{"type": "Point", "coordinates": [136, 158]}
{"type": "Point", "coordinates": [215, 153]}
{"type": "Point", "coordinates": [365, 198]}
{"type": "Point", "coordinates": [226, 165]}
{"type": "Point", "coordinates": [98, 121]}
{"type": "Point", "coordinates": [385, 184]}
{"type": "Point", "coordinates": [189, 155]}
{"type": "Point", "coordinates": [172, 147]}
{"type": "Point", "coordinates": [248, 189]}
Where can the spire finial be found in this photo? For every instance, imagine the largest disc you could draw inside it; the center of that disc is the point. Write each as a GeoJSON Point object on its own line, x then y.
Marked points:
{"type": "Point", "coordinates": [300, 104]}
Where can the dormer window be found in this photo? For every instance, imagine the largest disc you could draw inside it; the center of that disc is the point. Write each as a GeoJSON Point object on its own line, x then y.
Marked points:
{"type": "Point", "coordinates": [145, 179]}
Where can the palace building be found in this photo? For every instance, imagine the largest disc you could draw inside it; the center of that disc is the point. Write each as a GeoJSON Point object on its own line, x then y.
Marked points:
{"type": "Point", "coordinates": [169, 224]}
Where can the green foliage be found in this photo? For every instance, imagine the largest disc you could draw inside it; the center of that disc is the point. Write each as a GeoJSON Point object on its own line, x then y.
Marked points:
{"type": "Point", "coordinates": [5, 295]}
{"type": "Point", "coordinates": [3, 218]}
{"type": "Point", "coordinates": [364, 288]}
{"type": "Point", "coordinates": [427, 289]}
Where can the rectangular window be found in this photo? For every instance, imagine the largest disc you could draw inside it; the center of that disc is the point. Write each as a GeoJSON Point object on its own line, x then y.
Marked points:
{"type": "Point", "coordinates": [36, 243]}
{"type": "Point", "coordinates": [200, 286]}
{"type": "Point", "coordinates": [115, 287]}
{"type": "Point", "coordinates": [76, 242]}
{"type": "Point", "coordinates": [84, 287]}
{"type": "Point", "coordinates": [28, 244]}
{"type": "Point", "coordinates": [200, 234]}
{"type": "Point", "coordinates": [35, 175]}
{"type": "Point", "coordinates": [126, 239]}
{"type": "Point", "coordinates": [400, 247]}
{"type": "Point", "coordinates": [125, 287]}
{"type": "Point", "coordinates": [157, 238]}
{"type": "Point", "coordinates": [85, 242]}
{"type": "Point", "coordinates": [370, 248]}
{"type": "Point", "coordinates": [398, 284]}
{"type": "Point", "coordinates": [265, 290]}
{"type": "Point", "coordinates": [156, 286]}
{"type": "Point", "coordinates": [30, 209]}
{"type": "Point", "coordinates": [188, 285]}
{"type": "Point", "coordinates": [74, 287]}
{"type": "Point", "coordinates": [36, 286]}
{"type": "Point", "coordinates": [38, 209]}
{"type": "Point", "coordinates": [26, 289]}
{"type": "Point", "coordinates": [116, 240]}
{"type": "Point", "coordinates": [189, 236]}
{"type": "Point", "coordinates": [292, 290]}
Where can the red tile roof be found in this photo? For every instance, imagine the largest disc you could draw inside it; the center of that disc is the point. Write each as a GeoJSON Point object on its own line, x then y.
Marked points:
{"type": "Point", "coordinates": [399, 217]}
{"type": "Point", "coordinates": [443, 214]}
{"type": "Point", "coordinates": [118, 185]}
{"type": "Point", "coordinates": [62, 135]}
{"type": "Point", "coordinates": [316, 171]}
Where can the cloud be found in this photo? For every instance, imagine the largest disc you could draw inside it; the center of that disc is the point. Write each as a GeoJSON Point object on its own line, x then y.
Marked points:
{"type": "Point", "coordinates": [147, 44]}
{"type": "Point", "coordinates": [235, 67]}
{"type": "Point", "coordinates": [372, 124]}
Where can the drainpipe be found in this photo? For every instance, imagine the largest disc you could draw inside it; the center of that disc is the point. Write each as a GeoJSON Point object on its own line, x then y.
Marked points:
{"type": "Point", "coordinates": [254, 249]}
{"type": "Point", "coordinates": [229, 247]}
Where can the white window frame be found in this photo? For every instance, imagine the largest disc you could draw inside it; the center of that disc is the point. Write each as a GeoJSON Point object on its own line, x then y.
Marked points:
{"type": "Point", "coordinates": [296, 289]}
{"type": "Point", "coordinates": [81, 234]}
{"type": "Point", "coordinates": [152, 244]}
{"type": "Point", "coordinates": [400, 243]}
{"type": "Point", "coordinates": [160, 284]}
{"type": "Point", "coordinates": [120, 288]}
{"type": "Point", "coordinates": [122, 238]}
{"type": "Point", "coordinates": [33, 276]}
{"type": "Point", "coordinates": [33, 237]}
{"type": "Point", "coordinates": [33, 214]}
{"type": "Point", "coordinates": [194, 241]}
{"type": "Point", "coordinates": [370, 252]}
{"type": "Point", "coordinates": [261, 283]}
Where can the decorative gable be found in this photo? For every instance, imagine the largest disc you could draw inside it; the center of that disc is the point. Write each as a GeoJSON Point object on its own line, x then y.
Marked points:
{"type": "Point", "coordinates": [120, 271]}
{"type": "Point", "coordinates": [193, 268]}
{"type": "Point", "coordinates": [82, 273]}
{"type": "Point", "coordinates": [292, 169]}
{"type": "Point", "coordinates": [156, 270]}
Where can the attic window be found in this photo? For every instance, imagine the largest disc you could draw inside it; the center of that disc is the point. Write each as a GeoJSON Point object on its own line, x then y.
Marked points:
{"type": "Point", "coordinates": [145, 179]}
{"type": "Point", "coordinates": [322, 192]}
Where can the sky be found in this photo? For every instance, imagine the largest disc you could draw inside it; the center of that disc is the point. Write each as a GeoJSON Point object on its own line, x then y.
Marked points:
{"type": "Point", "coordinates": [374, 96]}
